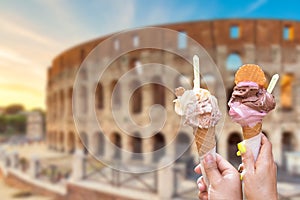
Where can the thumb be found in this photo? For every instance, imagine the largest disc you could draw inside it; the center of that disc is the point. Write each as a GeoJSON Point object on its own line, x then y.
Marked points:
{"type": "Point", "coordinates": [247, 157]}
{"type": "Point", "coordinates": [211, 169]}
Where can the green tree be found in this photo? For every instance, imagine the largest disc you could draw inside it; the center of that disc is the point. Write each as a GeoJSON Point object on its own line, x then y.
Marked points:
{"type": "Point", "coordinates": [13, 109]}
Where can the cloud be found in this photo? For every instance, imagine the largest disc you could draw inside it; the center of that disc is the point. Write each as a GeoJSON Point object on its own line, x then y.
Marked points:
{"type": "Point", "coordinates": [17, 30]}
{"type": "Point", "coordinates": [254, 6]}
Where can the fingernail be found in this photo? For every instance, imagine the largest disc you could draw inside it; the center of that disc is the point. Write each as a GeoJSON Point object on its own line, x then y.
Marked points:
{"type": "Point", "coordinates": [208, 158]}
{"type": "Point", "coordinates": [242, 148]}
{"type": "Point", "coordinates": [238, 153]}
{"type": "Point", "coordinates": [199, 185]}
{"type": "Point", "coordinates": [241, 176]}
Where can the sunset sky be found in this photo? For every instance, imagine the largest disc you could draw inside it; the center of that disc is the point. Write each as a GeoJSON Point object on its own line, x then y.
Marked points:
{"type": "Point", "coordinates": [33, 32]}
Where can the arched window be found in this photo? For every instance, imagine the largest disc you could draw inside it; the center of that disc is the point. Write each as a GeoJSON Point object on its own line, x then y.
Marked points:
{"type": "Point", "coordinates": [71, 142]}
{"type": "Point", "coordinates": [116, 94]}
{"type": "Point", "coordinates": [55, 106]}
{"type": "Point", "coordinates": [62, 106]}
{"type": "Point", "coordinates": [99, 96]}
{"type": "Point", "coordinates": [136, 143]}
{"type": "Point", "coordinates": [286, 95]}
{"type": "Point", "coordinates": [117, 141]}
{"type": "Point", "coordinates": [233, 140]}
{"type": "Point", "coordinates": [183, 146]}
{"type": "Point", "coordinates": [158, 91]}
{"type": "Point", "coordinates": [70, 100]}
{"type": "Point", "coordinates": [62, 141]}
{"type": "Point", "coordinates": [82, 54]}
{"type": "Point", "coordinates": [233, 62]}
{"type": "Point", "coordinates": [158, 146]}
{"type": "Point", "coordinates": [136, 98]}
{"type": "Point", "coordinates": [288, 143]}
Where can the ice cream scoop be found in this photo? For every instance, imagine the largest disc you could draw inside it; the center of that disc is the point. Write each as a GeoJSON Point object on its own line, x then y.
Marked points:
{"type": "Point", "coordinates": [249, 103]}
{"type": "Point", "coordinates": [199, 108]}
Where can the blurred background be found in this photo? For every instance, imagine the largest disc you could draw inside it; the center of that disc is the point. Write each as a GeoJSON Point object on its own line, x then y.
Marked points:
{"type": "Point", "coordinates": [43, 44]}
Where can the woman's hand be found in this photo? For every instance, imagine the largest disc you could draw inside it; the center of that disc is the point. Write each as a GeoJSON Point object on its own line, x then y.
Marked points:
{"type": "Point", "coordinates": [260, 177]}
{"type": "Point", "coordinates": [224, 179]}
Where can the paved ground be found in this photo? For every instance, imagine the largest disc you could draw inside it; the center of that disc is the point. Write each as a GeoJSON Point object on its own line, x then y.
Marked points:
{"type": "Point", "coordinates": [9, 193]}
{"type": "Point", "coordinates": [288, 185]}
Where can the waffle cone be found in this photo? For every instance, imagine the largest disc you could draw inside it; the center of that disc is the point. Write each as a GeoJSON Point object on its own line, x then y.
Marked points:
{"type": "Point", "coordinates": [250, 72]}
{"type": "Point", "coordinates": [204, 139]}
{"type": "Point", "coordinates": [249, 132]}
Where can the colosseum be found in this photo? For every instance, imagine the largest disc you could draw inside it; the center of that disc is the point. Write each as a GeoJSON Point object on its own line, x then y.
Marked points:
{"type": "Point", "coordinates": [272, 44]}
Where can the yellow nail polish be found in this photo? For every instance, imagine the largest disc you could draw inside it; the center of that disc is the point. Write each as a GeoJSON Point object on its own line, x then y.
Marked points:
{"type": "Point", "coordinates": [241, 176]}
{"type": "Point", "coordinates": [238, 153]}
{"type": "Point", "coordinates": [242, 148]}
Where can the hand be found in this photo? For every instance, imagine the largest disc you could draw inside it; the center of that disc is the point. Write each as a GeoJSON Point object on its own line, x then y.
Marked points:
{"type": "Point", "coordinates": [224, 179]}
{"type": "Point", "coordinates": [260, 177]}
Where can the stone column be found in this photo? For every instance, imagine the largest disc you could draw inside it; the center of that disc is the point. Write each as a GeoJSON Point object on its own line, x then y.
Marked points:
{"type": "Point", "coordinates": [126, 149]}
{"type": "Point", "coordinates": [148, 149]}
{"type": "Point", "coordinates": [108, 149]}
{"type": "Point", "coordinates": [14, 159]}
{"type": "Point", "coordinates": [276, 138]}
{"type": "Point", "coordinates": [34, 167]}
{"type": "Point", "coordinates": [78, 165]}
{"type": "Point", "coordinates": [165, 191]}
{"type": "Point", "coordinates": [249, 53]}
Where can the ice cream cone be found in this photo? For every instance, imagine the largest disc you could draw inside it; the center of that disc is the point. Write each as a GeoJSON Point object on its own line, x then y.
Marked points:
{"type": "Point", "coordinates": [249, 132]}
{"type": "Point", "coordinates": [205, 140]}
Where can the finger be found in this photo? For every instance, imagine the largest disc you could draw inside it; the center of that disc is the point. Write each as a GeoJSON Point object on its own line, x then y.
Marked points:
{"type": "Point", "coordinates": [247, 157]}
{"type": "Point", "coordinates": [211, 169]}
{"type": "Point", "coordinates": [224, 166]}
{"type": "Point", "coordinates": [197, 169]}
{"type": "Point", "coordinates": [201, 184]}
{"type": "Point", "coordinates": [241, 168]}
{"type": "Point", "coordinates": [265, 155]}
{"type": "Point", "coordinates": [203, 195]}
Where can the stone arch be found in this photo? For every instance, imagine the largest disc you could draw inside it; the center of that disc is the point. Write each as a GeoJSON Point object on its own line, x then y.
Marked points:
{"type": "Point", "coordinates": [132, 62]}
{"type": "Point", "coordinates": [159, 143]}
{"type": "Point", "coordinates": [55, 105]}
{"type": "Point", "coordinates": [99, 96]}
{"type": "Point", "coordinates": [98, 139]}
{"type": "Point", "coordinates": [158, 91]}
{"type": "Point", "coordinates": [116, 94]}
{"type": "Point", "coordinates": [136, 100]}
{"type": "Point", "coordinates": [61, 102]}
{"type": "Point", "coordinates": [137, 146]}
{"type": "Point", "coordinates": [288, 143]}
{"type": "Point", "coordinates": [71, 142]}
{"type": "Point", "coordinates": [84, 140]}
{"type": "Point", "coordinates": [116, 139]}
{"type": "Point", "coordinates": [70, 102]}
{"type": "Point", "coordinates": [233, 61]}
{"type": "Point", "coordinates": [182, 146]}
{"type": "Point", "coordinates": [232, 141]}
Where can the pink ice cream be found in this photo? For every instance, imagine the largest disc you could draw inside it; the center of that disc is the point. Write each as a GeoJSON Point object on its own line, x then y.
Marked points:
{"type": "Point", "coordinates": [249, 103]}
